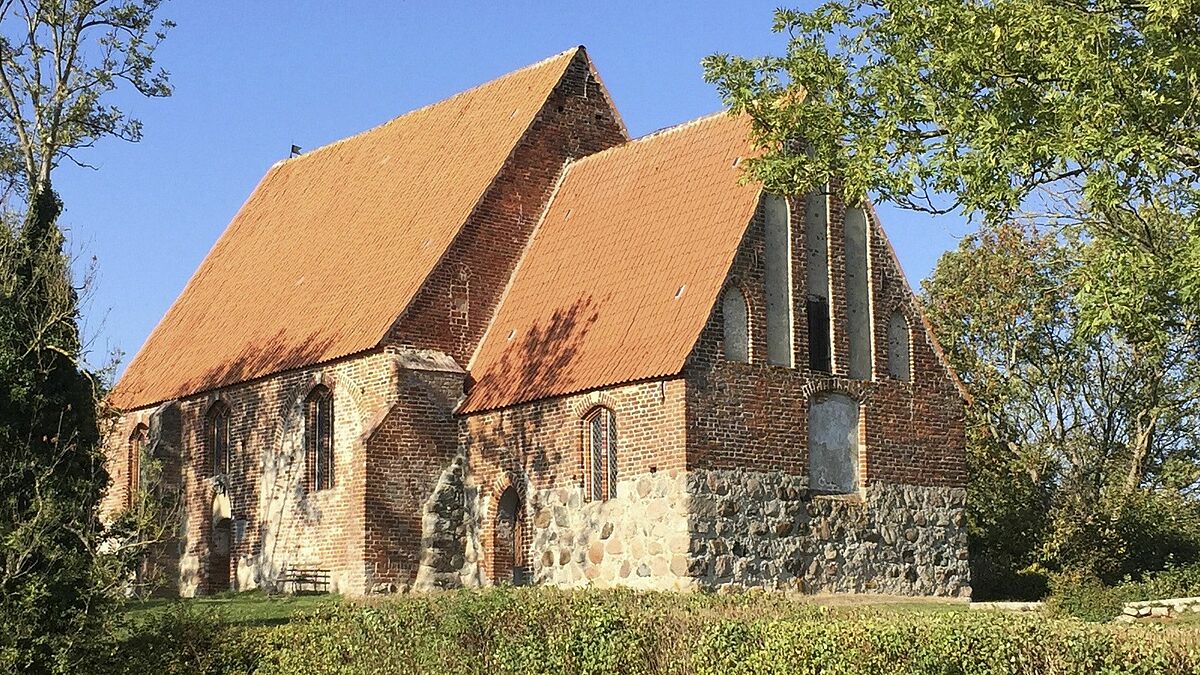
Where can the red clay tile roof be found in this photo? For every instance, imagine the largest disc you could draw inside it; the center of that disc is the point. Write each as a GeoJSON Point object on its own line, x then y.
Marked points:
{"type": "Point", "coordinates": [623, 270]}
{"type": "Point", "coordinates": [332, 246]}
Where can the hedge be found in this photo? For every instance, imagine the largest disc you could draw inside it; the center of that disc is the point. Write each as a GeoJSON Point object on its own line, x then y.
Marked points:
{"type": "Point", "coordinates": [546, 631]}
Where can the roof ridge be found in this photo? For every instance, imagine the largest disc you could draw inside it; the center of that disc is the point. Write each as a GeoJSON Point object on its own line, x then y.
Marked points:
{"type": "Point", "coordinates": [654, 135]}
{"type": "Point", "coordinates": [569, 52]}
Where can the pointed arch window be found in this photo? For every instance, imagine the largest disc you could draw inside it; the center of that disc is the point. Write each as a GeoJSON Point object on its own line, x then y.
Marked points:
{"type": "Point", "coordinates": [816, 234]}
{"type": "Point", "coordinates": [735, 314]}
{"type": "Point", "coordinates": [318, 438]}
{"type": "Point", "coordinates": [218, 439]}
{"type": "Point", "coordinates": [601, 442]}
{"type": "Point", "coordinates": [137, 454]}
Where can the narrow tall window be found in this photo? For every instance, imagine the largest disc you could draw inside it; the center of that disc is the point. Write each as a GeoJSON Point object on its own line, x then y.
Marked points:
{"type": "Point", "coordinates": [858, 295]}
{"type": "Point", "coordinates": [137, 451]}
{"type": "Point", "coordinates": [318, 438]}
{"type": "Point", "coordinates": [816, 305]}
{"type": "Point", "coordinates": [218, 439]}
{"type": "Point", "coordinates": [898, 348]}
{"type": "Point", "coordinates": [736, 330]}
{"type": "Point", "coordinates": [601, 442]}
{"type": "Point", "coordinates": [833, 444]}
{"type": "Point", "coordinates": [777, 278]}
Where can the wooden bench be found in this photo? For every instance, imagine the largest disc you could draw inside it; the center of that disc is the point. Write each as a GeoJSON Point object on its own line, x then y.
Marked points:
{"type": "Point", "coordinates": [305, 580]}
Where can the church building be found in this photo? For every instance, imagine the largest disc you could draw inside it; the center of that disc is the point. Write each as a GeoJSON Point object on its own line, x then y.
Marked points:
{"type": "Point", "coordinates": [495, 340]}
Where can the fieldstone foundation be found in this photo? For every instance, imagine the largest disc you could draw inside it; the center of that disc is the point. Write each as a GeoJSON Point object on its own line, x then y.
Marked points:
{"type": "Point", "coordinates": [731, 529]}
{"type": "Point", "coordinates": [638, 539]}
{"type": "Point", "coordinates": [757, 529]}
{"type": "Point", "coordinates": [450, 542]}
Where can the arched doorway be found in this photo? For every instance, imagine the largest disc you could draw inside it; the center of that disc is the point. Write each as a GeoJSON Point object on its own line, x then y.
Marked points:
{"type": "Point", "coordinates": [509, 540]}
{"type": "Point", "coordinates": [218, 556]}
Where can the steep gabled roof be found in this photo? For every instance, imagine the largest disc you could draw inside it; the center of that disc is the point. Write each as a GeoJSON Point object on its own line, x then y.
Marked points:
{"type": "Point", "coordinates": [624, 269]}
{"type": "Point", "coordinates": [332, 246]}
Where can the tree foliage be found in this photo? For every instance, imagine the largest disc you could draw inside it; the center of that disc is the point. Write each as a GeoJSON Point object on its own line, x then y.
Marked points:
{"type": "Point", "coordinates": [1083, 444]}
{"type": "Point", "coordinates": [1079, 112]}
{"type": "Point", "coordinates": [938, 104]}
{"type": "Point", "coordinates": [58, 60]}
{"type": "Point", "coordinates": [51, 468]}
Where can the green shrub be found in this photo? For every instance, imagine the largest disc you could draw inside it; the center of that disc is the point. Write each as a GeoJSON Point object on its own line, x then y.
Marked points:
{"type": "Point", "coordinates": [600, 632]}
{"type": "Point", "coordinates": [181, 639]}
{"type": "Point", "coordinates": [1172, 582]}
{"type": "Point", "coordinates": [984, 643]}
{"type": "Point", "coordinates": [1083, 596]}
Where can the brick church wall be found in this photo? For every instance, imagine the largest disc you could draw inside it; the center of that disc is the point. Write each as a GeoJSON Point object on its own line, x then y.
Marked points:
{"type": "Point", "coordinates": [406, 455]}
{"type": "Point", "coordinates": [713, 483]}
{"type": "Point", "coordinates": [755, 520]}
{"type": "Point", "coordinates": [275, 521]}
{"type": "Point", "coordinates": [569, 540]}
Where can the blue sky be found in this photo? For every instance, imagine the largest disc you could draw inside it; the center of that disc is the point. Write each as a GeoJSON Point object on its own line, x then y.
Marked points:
{"type": "Point", "coordinates": [252, 78]}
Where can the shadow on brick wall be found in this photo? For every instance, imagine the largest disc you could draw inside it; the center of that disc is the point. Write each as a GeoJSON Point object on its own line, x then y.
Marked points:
{"type": "Point", "coordinates": [504, 446]}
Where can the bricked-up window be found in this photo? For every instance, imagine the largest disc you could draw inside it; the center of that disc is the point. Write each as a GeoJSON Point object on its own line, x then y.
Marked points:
{"type": "Point", "coordinates": [898, 347]}
{"type": "Point", "coordinates": [601, 444]}
{"type": "Point", "coordinates": [858, 295]}
{"type": "Point", "coordinates": [218, 438]}
{"type": "Point", "coordinates": [833, 431]}
{"type": "Point", "coordinates": [318, 438]}
{"type": "Point", "coordinates": [736, 325]}
{"type": "Point", "coordinates": [137, 453]}
{"type": "Point", "coordinates": [816, 236]}
{"type": "Point", "coordinates": [777, 279]}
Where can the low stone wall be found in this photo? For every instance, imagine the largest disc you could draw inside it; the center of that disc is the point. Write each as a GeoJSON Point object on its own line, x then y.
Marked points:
{"type": "Point", "coordinates": [1147, 609]}
{"type": "Point", "coordinates": [764, 529]}
{"type": "Point", "coordinates": [1008, 606]}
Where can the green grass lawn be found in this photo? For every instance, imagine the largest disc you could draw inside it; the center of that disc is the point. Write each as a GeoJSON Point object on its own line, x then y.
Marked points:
{"type": "Point", "coordinates": [240, 609]}
{"type": "Point", "coordinates": [256, 608]}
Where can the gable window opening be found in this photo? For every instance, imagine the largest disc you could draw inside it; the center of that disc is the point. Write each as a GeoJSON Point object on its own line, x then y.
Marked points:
{"type": "Point", "coordinates": [736, 331]}
{"type": "Point", "coordinates": [601, 440]}
{"type": "Point", "coordinates": [816, 307]}
{"type": "Point", "coordinates": [137, 451]}
{"type": "Point", "coordinates": [218, 439]}
{"type": "Point", "coordinates": [319, 439]}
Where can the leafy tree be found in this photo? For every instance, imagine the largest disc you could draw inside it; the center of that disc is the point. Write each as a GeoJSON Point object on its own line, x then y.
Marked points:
{"type": "Point", "coordinates": [58, 60]}
{"type": "Point", "coordinates": [1065, 111]}
{"type": "Point", "coordinates": [1083, 445]}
